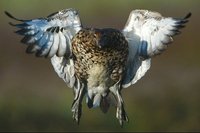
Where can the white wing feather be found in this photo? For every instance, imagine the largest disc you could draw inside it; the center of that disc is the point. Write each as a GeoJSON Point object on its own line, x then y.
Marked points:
{"type": "Point", "coordinates": [149, 33]}
{"type": "Point", "coordinates": [51, 37]}
{"type": "Point", "coordinates": [65, 69]}
{"type": "Point", "coordinates": [62, 45]}
{"type": "Point", "coordinates": [54, 47]}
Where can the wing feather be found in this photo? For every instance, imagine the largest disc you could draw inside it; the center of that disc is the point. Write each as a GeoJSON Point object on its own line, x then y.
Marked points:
{"type": "Point", "coordinates": [62, 47]}
{"type": "Point", "coordinates": [155, 29]}
{"type": "Point", "coordinates": [51, 37]}
{"type": "Point", "coordinates": [151, 34]}
{"type": "Point", "coordinates": [46, 36]}
{"type": "Point", "coordinates": [54, 47]}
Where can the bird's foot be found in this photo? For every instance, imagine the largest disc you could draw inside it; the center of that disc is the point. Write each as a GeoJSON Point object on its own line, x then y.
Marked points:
{"type": "Point", "coordinates": [77, 111]}
{"type": "Point", "coordinates": [121, 115]}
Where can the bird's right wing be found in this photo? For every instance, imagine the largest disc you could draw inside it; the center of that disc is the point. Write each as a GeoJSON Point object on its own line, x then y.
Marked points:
{"type": "Point", "coordinates": [154, 31]}
{"type": "Point", "coordinates": [148, 34]}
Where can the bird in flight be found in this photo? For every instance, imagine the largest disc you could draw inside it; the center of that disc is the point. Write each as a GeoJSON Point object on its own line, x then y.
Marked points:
{"type": "Point", "coordinates": [99, 63]}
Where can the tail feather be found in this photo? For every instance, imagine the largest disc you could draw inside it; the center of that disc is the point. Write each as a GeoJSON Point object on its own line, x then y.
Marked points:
{"type": "Point", "coordinates": [104, 105]}
{"type": "Point", "coordinates": [97, 100]}
{"type": "Point", "coordinates": [93, 101]}
{"type": "Point", "coordinates": [108, 101]}
{"type": "Point", "coordinates": [103, 102]}
{"type": "Point", "coordinates": [89, 102]}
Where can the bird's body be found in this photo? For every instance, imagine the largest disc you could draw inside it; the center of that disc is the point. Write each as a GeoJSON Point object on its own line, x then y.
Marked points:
{"type": "Point", "coordinates": [98, 62]}
{"type": "Point", "coordinates": [88, 51]}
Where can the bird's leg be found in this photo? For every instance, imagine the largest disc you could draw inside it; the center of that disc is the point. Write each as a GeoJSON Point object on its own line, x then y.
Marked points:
{"type": "Point", "coordinates": [77, 103]}
{"type": "Point", "coordinates": [120, 113]}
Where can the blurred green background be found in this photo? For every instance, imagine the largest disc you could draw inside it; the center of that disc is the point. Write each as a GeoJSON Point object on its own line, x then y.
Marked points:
{"type": "Point", "coordinates": [33, 98]}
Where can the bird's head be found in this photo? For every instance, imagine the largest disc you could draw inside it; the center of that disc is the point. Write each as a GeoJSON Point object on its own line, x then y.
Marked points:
{"type": "Point", "coordinates": [108, 37]}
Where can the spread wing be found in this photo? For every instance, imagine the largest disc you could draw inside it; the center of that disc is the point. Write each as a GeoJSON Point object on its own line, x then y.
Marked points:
{"type": "Point", "coordinates": [49, 36]}
{"type": "Point", "coordinates": [149, 33]}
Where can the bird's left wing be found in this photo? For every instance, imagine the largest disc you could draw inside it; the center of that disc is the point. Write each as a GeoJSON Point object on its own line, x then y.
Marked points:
{"type": "Point", "coordinates": [148, 34]}
{"type": "Point", "coordinates": [49, 36]}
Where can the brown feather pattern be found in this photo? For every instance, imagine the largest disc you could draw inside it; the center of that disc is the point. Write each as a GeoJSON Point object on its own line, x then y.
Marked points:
{"type": "Point", "coordinates": [87, 52]}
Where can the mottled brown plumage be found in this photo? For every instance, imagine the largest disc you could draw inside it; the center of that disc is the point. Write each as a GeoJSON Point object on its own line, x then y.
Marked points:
{"type": "Point", "coordinates": [100, 57]}
{"type": "Point", "coordinates": [88, 50]}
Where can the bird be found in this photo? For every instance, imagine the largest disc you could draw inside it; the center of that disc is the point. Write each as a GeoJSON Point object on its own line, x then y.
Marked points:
{"type": "Point", "coordinates": [99, 63]}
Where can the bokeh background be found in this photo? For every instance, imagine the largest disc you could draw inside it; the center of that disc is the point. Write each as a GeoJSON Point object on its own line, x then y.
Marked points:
{"type": "Point", "coordinates": [33, 98]}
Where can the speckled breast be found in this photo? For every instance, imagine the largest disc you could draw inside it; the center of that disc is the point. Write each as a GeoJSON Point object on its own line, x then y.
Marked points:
{"type": "Point", "coordinates": [107, 47]}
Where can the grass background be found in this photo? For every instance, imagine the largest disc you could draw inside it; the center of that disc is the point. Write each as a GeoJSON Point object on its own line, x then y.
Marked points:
{"type": "Point", "coordinates": [33, 98]}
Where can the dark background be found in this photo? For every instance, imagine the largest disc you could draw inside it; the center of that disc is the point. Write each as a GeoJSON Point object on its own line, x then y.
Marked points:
{"type": "Point", "coordinates": [33, 98]}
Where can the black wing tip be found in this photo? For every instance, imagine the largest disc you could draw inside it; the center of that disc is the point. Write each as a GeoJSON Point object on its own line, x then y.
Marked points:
{"type": "Point", "coordinates": [180, 23]}
{"type": "Point", "coordinates": [29, 49]}
{"type": "Point", "coordinates": [8, 14]}
{"type": "Point", "coordinates": [12, 17]}
{"type": "Point", "coordinates": [52, 14]}
{"type": "Point", "coordinates": [10, 23]}
{"type": "Point", "coordinates": [21, 31]}
{"type": "Point", "coordinates": [188, 15]}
